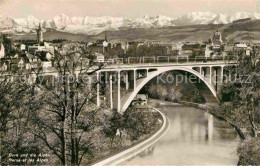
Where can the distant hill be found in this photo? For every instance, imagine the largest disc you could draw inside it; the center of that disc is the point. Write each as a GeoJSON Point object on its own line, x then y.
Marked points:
{"type": "Point", "coordinates": [89, 25]}
{"type": "Point", "coordinates": [245, 30]}
{"type": "Point", "coordinates": [53, 34]}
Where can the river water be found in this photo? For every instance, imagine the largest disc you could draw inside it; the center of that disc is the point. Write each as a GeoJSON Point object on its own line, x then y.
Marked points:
{"type": "Point", "coordinates": [194, 137]}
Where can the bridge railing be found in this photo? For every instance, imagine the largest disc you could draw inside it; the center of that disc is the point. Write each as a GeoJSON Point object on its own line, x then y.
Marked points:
{"type": "Point", "coordinates": [163, 59]}
{"type": "Point", "coordinates": [182, 59]}
{"type": "Point", "coordinates": [173, 59]}
{"type": "Point", "coordinates": [118, 60]}
{"type": "Point", "coordinates": [166, 59]}
{"type": "Point", "coordinates": [148, 59]}
{"type": "Point", "coordinates": [200, 58]}
{"type": "Point", "coordinates": [133, 60]}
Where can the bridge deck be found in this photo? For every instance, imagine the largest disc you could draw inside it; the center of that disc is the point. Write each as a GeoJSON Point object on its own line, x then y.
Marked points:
{"type": "Point", "coordinates": [150, 65]}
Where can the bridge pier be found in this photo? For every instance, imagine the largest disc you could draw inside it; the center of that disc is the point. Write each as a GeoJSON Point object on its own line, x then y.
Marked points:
{"type": "Point", "coordinates": [98, 89]}
{"type": "Point", "coordinates": [126, 81]}
{"type": "Point", "coordinates": [214, 75]}
{"type": "Point", "coordinates": [210, 75]}
{"type": "Point", "coordinates": [217, 77]}
{"type": "Point", "coordinates": [147, 72]}
{"type": "Point", "coordinates": [198, 69]}
{"type": "Point", "coordinates": [207, 72]}
{"type": "Point", "coordinates": [203, 71]}
{"type": "Point", "coordinates": [229, 79]}
{"type": "Point", "coordinates": [221, 78]}
{"type": "Point", "coordinates": [118, 91]}
{"type": "Point", "coordinates": [221, 74]}
{"type": "Point", "coordinates": [111, 90]}
{"type": "Point", "coordinates": [132, 79]}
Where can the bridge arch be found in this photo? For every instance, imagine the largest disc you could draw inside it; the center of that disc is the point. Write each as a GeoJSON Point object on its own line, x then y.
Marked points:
{"type": "Point", "coordinates": [207, 90]}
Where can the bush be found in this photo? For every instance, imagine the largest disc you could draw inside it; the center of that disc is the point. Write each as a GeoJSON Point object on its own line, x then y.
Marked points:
{"type": "Point", "coordinates": [249, 151]}
{"type": "Point", "coordinates": [139, 122]}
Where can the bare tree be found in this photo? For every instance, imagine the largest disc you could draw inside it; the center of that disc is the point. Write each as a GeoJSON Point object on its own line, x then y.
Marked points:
{"type": "Point", "coordinates": [68, 115]}
{"type": "Point", "coordinates": [15, 113]}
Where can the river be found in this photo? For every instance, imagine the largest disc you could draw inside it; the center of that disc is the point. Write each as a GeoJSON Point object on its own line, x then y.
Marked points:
{"type": "Point", "coordinates": [194, 137]}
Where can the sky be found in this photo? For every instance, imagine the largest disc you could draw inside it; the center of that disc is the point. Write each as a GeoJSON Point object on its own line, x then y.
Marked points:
{"type": "Point", "coordinates": [47, 9]}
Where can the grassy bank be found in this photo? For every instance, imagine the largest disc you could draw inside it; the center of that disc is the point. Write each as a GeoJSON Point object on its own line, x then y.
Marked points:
{"type": "Point", "coordinates": [126, 141]}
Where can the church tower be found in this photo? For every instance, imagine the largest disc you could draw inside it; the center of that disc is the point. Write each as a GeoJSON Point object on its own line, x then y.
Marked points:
{"type": "Point", "coordinates": [39, 34]}
{"type": "Point", "coordinates": [217, 38]}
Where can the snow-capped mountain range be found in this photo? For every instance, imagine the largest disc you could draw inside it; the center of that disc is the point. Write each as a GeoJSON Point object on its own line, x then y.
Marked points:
{"type": "Point", "coordinates": [94, 25]}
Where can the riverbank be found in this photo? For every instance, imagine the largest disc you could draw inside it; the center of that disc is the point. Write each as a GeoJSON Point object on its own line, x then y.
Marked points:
{"type": "Point", "coordinates": [194, 138]}
{"type": "Point", "coordinates": [137, 147]}
{"type": "Point", "coordinates": [131, 154]}
{"type": "Point", "coordinates": [166, 103]}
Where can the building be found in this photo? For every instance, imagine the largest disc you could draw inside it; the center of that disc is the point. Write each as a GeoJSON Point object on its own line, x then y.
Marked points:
{"type": "Point", "coordinates": [28, 61]}
{"type": "Point", "coordinates": [240, 45]}
{"type": "Point", "coordinates": [44, 54]}
{"type": "Point", "coordinates": [217, 38]}
{"type": "Point", "coordinates": [100, 46]}
{"type": "Point", "coordinates": [177, 48]}
{"type": "Point", "coordinates": [32, 58]}
{"type": "Point", "coordinates": [22, 47]}
{"type": "Point", "coordinates": [45, 58]}
{"type": "Point", "coordinates": [216, 48]}
{"type": "Point", "coordinates": [46, 47]}
{"type": "Point", "coordinates": [243, 46]}
{"type": "Point", "coordinates": [140, 99]}
{"type": "Point", "coordinates": [99, 57]}
{"type": "Point", "coordinates": [8, 45]}
{"type": "Point", "coordinates": [193, 49]}
{"type": "Point", "coordinates": [2, 51]}
{"type": "Point", "coordinates": [45, 63]}
{"type": "Point", "coordinates": [125, 46]}
{"type": "Point", "coordinates": [187, 53]}
{"type": "Point", "coordinates": [17, 63]}
{"type": "Point", "coordinates": [228, 50]}
{"type": "Point", "coordinates": [3, 66]}
{"type": "Point", "coordinates": [248, 50]}
{"type": "Point", "coordinates": [21, 63]}
{"type": "Point", "coordinates": [208, 51]}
